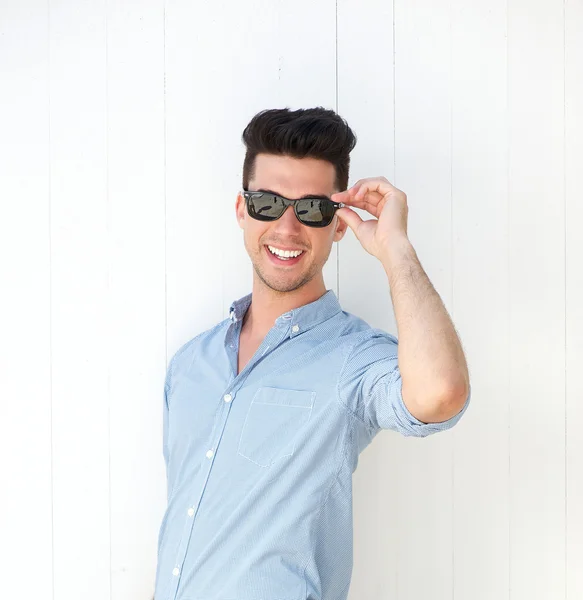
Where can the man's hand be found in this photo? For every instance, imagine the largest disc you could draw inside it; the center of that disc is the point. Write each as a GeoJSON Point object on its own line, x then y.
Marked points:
{"type": "Point", "coordinates": [382, 200]}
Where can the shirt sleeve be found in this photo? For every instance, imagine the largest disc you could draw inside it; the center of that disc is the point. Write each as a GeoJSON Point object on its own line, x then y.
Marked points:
{"type": "Point", "coordinates": [166, 405]}
{"type": "Point", "coordinates": [370, 387]}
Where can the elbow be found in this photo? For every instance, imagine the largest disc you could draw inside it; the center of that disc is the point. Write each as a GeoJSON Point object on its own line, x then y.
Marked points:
{"type": "Point", "coordinates": [453, 400]}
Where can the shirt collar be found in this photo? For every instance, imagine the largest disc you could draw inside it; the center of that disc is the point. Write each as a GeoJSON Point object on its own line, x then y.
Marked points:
{"type": "Point", "coordinates": [306, 316]}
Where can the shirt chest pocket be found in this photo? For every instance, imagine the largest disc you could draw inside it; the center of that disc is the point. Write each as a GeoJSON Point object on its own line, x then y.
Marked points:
{"type": "Point", "coordinates": [273, 418]}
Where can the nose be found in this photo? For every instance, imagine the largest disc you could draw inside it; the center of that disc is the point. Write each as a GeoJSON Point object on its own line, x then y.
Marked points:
{"type": "Point", "coordinates": [288, 222]}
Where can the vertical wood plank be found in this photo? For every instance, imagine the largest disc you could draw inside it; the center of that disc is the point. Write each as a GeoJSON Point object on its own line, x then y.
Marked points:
{"type": "Point", "coordinates": [481, 292]}
{"type": "Point", "coordinates": [80, 321]}
{"type": "Point", "coordinates": [195, 86]}
{"type": "Point", "coordinates": [537, 299]}
{"type": "Point", "coordinates": [25, 335]}
{"type": "Point", "coordinates": [423, 103]}
{"type": "Point", "coordinates": [137, 309]}
{"type": "Point", "coordinates": [574, 291]}
{"type": "Point", "coordinates": [365, 100]}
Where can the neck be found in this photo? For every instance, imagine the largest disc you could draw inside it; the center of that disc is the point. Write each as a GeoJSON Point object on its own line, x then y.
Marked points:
{"type": "Point", "coordinates": [268, 304]}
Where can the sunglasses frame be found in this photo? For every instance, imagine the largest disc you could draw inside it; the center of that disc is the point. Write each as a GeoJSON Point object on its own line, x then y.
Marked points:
{"type": "Point", "coordinates": [248, 195]}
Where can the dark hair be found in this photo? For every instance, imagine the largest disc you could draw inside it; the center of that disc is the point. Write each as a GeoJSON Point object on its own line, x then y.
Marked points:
{"type": "Point", "coordinates": [311, 132]}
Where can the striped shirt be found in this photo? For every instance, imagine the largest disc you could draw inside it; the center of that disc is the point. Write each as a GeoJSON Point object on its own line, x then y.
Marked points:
{"type": "Point", "coordinates": [259, 465]}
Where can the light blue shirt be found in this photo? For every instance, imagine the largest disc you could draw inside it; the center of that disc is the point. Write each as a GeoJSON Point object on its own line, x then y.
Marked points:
{"type": "Point", "coordinates": [260, 464]}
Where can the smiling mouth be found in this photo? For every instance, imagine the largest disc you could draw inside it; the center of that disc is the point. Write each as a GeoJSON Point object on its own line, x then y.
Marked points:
{"type": "Point", "coordinates": [283, 259]}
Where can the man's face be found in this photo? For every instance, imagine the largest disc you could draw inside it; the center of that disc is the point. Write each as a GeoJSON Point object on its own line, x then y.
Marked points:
{"type": "Point", "coordinates": [291, 178]}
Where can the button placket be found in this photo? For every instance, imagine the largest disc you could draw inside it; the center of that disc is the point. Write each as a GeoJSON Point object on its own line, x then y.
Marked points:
{"type": "Point", "coordinates": [284, 329]}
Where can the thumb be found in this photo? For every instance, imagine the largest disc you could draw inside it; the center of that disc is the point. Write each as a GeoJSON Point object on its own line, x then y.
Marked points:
{"type": "Point", "coordinates": [351, 218]}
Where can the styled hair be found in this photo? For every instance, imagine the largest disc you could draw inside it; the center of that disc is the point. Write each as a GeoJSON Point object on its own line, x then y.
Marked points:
{"type": "Point", "coordinates": [304, 133]}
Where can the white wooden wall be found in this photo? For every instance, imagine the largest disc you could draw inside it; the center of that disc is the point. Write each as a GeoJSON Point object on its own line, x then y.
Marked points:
{"type": "Point", "coordinates": [120, 122]}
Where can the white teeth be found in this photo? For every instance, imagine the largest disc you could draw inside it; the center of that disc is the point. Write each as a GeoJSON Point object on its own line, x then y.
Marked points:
{"type": "Point", "coordinates": [285, 253]}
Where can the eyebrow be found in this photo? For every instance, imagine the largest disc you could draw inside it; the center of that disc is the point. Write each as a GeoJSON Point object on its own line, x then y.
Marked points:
{"type": "Point", "coordinates": [319, 196]}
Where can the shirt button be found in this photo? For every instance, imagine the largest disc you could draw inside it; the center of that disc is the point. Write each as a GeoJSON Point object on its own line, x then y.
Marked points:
{"type": "Point", "coordinates": [190, 512]}
{"type": "Point", "coordinates": [210, 454]}
{"type": "Point", "coordinates": [175, 571]}
{"type": "Point", "coordinates": [227, 397]}
{"type": "Point", "coordinates": [295, 328]}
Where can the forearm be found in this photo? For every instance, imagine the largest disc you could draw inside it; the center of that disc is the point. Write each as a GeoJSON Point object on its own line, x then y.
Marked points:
{"type": "Point", "coordinates": [430, 355]}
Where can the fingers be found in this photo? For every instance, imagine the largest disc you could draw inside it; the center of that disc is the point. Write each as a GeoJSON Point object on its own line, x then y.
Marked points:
{"type": "Point", "coordinates": [367, 194]}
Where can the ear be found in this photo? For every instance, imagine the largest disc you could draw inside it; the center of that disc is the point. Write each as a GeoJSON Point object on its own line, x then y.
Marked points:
{"type": "Point", "coordinates": [339, 228]}
{"type": "Point", "coordinates": [240, 210]}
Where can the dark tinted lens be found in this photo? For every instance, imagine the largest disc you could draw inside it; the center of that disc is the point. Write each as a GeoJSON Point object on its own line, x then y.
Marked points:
{"type": "Point", "coordinates": [265, 207]}
{"type": "Point", "coordinates": [315, 212]}
{"type": "Point", "coordinates": [311, 212]}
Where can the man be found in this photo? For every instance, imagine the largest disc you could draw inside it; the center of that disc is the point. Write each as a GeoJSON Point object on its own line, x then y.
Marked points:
{"type": "Point", "coordinates": [265, 413]}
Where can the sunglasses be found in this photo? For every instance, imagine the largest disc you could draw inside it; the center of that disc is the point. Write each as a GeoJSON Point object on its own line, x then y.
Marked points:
{"type": "Point", "coordinates": [310, 211]}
